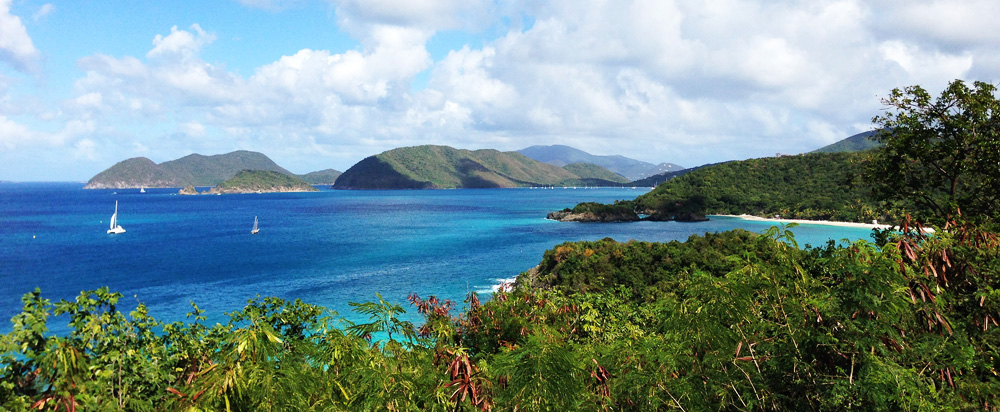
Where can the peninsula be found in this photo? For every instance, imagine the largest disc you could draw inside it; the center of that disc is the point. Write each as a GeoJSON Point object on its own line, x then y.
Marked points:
{"type": "Point", "coordinates": [815, 186]}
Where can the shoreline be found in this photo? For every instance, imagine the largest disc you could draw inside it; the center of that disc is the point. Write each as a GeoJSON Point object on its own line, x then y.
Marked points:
{"type": "Point", "coordinates": [811, 222]}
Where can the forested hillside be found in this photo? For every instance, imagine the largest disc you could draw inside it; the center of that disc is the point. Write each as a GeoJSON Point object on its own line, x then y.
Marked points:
{"type": "Point", "coordinates": [824, 186]}
{"type": "Point", "coordinates": [442, 167]}
{"type": "Point", "coordinates": [262, 181]}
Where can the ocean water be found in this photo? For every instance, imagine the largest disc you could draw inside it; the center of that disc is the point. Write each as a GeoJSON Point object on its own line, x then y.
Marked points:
{"type": "Point", "coordinates": [327, 248]}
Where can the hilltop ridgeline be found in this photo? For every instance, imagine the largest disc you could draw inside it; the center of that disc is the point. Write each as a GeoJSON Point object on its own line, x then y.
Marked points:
{"type": "Point", "coordinates": [321, 177]}
{"type": "Point", "coordinates": [631, 169]}
{"type": "Point", "coordinates": [191, 170]}
{"type": "Point", "coordinates": [856, 143]}
{"type": "Point", "coordinates": [443, 167]}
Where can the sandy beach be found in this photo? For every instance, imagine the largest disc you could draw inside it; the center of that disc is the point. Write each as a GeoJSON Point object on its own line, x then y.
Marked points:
{"type": "Point", "coordinates": [811, 222]}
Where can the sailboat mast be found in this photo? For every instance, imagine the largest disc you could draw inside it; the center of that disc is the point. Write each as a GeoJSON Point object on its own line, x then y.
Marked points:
{"type": "Point", "coordinates": [114, 217]}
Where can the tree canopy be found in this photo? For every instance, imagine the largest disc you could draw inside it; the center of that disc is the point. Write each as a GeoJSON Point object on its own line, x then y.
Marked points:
{"type": "Point", "coordinates": [941, 154]}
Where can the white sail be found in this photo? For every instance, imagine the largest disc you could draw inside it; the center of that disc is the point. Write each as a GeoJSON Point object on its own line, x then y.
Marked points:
{"type": "Point", "coordinates": [115, 228]}
{"type": "Point", "coordinates": [255, 229]}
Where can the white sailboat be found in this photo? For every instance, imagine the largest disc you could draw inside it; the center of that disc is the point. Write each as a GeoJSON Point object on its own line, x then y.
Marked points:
{"type": "Point", "coordinates": [142, 190]}
{"type": "Point", "coordinates": [255, 229]}
{"type": "Point", "coordinates": [115, 227]}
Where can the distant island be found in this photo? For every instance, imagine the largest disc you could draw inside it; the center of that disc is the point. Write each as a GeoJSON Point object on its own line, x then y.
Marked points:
{"type": "Point", "coordinates": [261, 181]}
{"type": "Point", "coordinates": [443, 167]}
{"type": "Point", "coordinates": [322, 177]}
{"type": "Point", "coordinates": [193, 170]}
{"type": "Point", "coordinates": [631, 169]}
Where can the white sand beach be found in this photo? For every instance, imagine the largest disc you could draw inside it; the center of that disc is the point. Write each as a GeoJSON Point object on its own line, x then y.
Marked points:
{"type": "Point", "coordinates": [812, 222]}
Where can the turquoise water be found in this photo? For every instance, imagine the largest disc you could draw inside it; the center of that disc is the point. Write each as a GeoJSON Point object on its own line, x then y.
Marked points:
{"type": "Point", "coordinates": [327, 248]}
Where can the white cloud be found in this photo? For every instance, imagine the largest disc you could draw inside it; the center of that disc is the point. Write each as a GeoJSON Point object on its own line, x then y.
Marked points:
{"type": "Point", "coordinates": [86, 149]}
{"type": "Point", "coordinates": [931, 69]}
{"type": "Point", "coordinates": [942, 23]}
{"type": "Point", "coordinates": [193, 129]}
{"type": "Point", "coordinates": [14, 135]}
{"type": "Point", "coordinates": [16, 48]}
{"type": "Point", "coordinates": [43, 11]}
{"type": "Point", "coordinates": [658, 80]}
{"type": "Point", "coordinates": [180, 44]}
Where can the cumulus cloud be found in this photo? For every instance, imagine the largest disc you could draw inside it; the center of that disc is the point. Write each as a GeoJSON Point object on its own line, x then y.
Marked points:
{"type": "Point", "coordinates": [16, 48]}
{"type": "Point", "coordinates": [951, 25]}
{"type": "Point", "coordinates": [658, 80]}
{"type": "Point", "coordinates": [193, 129]}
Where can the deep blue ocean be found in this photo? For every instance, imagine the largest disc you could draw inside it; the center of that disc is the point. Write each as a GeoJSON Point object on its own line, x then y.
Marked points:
{"type": "Point", "coordinates": [327, 248]}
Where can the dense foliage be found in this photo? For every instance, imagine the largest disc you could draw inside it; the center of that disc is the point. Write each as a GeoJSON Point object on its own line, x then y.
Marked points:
{"type": "Point", "coordinates": [943, 154]}
{"type": "Point", "coordinates": [818, 186]}
{"type": "Point", "coordinates": [732, 321]}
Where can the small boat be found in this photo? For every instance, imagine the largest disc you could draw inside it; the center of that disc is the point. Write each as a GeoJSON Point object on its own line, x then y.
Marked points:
{"type": "Point", "coordinates": [142, 190]}
{"type": "Point", "coordinates": [115, 227]}
{"type": "Point", "coordinates": [255, 229]}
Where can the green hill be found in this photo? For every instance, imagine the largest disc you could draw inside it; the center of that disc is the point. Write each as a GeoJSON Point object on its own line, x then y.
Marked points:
{"type": "Point", "coordinates": [442, 167]}
{"type": "Point", "coordinates": [857, 143]}
{"type": "Point", "coordinates": [321, 177]}
{"type": "Point", "coordinates": [134, 173]}
{"type": "Point", "coordinates": [812, 186]}
{"type": "Point", "coordinates": [632, 169]}
{"type": "Point", "coordinates": [194, 169]}
{"type": "Point", "coordinates": [262, 181]}
{"type": "Point", "coordinates": [590, 171]}
{"type": "Point", "coordinates": [656, 179]}
{"type": "Point", "coordinates": [820, 186]}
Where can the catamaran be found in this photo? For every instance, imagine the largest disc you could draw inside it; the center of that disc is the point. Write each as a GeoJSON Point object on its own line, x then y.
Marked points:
{"type": "Point", "coordinates": [255, 229]}
{"type": "Point", "coordinates": [115, 227]}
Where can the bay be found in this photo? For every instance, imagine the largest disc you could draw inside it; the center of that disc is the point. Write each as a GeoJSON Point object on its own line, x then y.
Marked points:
{"type": "Point", "coordinates": [327, 248]}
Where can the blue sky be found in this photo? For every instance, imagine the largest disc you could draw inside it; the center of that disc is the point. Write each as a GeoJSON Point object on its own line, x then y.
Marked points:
{"type": "Point", "coordinates": [318, 84]}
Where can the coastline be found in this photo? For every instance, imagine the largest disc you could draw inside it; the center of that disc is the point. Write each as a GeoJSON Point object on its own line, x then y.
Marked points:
{"type": "Point", "coordinates": [811, 222]}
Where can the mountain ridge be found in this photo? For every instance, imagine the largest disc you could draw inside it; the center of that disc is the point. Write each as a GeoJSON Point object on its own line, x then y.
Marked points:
{"type": "Point", "coordinates": [856, 143]}
{"type": "Point", "coordinates": [562, 155]}
{"type": "Point", "coordinates": [443, 167]}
